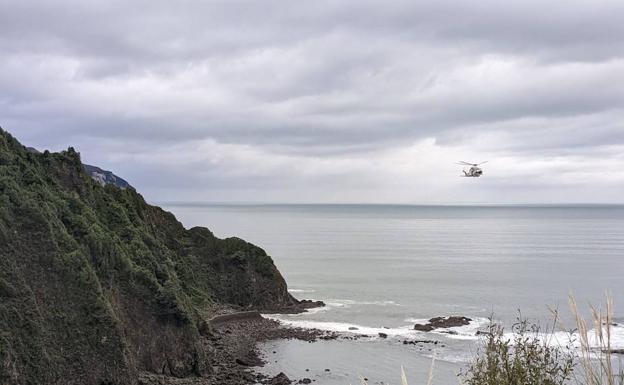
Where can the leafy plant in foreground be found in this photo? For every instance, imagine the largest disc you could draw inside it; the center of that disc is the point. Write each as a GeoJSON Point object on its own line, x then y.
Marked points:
{"type": "Point", "coordinates": [527, 358]}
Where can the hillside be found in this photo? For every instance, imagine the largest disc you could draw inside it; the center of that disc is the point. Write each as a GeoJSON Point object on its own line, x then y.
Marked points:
{"type": "Point", "coordinates": [102, 176]}
{"type": "Point", "coordinates": [96, 285]}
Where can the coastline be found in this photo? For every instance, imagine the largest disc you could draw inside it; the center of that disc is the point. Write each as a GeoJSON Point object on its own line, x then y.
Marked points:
{"type": "Point", "coordinates": [240, 340]}
{"type": "Point", "coordinates": [232, 338]}
{"type": "Point", "coordinates": [127, 287]}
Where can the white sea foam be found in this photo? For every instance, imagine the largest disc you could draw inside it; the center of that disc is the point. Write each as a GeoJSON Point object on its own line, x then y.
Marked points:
{"type": "Point", "coordinates": [312, 310]}
{"type": "Point", "coordinates": [347, 328]}
{"type": "Point", "coordinates": [566, 339]}
{"type": "Point", "coordinates": [417, 320]}
{"type": "Point", "coordinates": [617, 336]}
{"type": "Point", "coordinates": [466, 332]}
{"type": "Point", "coordinates": [559, 338]}
{"type": "Point", "coordinates": [301, 290]}
{"type": "Point", "coordinates": [406, 332]}
{"type": "Point", "coordinates": [349, 303]}
{"type": "Point", "coordinates": [398, 333]}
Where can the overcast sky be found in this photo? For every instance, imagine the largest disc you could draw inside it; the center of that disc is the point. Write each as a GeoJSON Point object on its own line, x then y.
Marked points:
{"type": "Point", "coordinates": [325, 101]}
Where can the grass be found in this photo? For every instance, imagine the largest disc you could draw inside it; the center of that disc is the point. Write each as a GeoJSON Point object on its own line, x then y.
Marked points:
{"type": "Point", "coordinates": [596, 353]}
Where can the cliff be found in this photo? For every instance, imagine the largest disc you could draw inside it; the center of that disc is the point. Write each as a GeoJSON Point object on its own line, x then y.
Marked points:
{"type": "Point", "coordinates": [97, 286]}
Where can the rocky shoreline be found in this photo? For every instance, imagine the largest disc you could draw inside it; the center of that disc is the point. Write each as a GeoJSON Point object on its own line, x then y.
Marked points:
{"type": "Point", "coordinates": [234, 344]}
{"type": "Point", "coordinates": [232, 337]}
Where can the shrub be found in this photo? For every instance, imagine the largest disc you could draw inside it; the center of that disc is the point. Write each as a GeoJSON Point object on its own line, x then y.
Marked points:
{"type": "Point", "coordinates": [525, 359]}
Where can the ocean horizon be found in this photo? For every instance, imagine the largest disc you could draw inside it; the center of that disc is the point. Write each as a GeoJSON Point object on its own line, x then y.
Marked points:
{"type": "Point", "coordinates": [383, 268]}
{"type": "Point", "coordinates": [440, 204]}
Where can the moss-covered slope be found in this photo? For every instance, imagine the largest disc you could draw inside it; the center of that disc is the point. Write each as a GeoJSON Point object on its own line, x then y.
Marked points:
{"type": "Point", "coordinates": [97, 285]}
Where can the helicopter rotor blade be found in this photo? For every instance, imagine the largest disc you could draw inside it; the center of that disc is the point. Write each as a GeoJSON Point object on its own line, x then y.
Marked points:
{"type": "Point", "coordinates": [465, 163]}
{"type": "Point", "coordinates": [481, 163]}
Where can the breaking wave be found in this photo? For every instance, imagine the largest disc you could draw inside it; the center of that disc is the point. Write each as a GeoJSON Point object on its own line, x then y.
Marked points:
{"type": "Point", "coordinates": [301, 290]}
{"type": "Point", "coordinates": [466, 332]}
{"type": "Point", "coordinates": [345, 303]}
{"type": "Point", "coordinates": [347, 328]}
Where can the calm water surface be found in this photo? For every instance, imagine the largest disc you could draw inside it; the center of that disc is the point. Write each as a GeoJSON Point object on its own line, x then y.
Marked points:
{"type": "Point", "coordinates": [381, 268]}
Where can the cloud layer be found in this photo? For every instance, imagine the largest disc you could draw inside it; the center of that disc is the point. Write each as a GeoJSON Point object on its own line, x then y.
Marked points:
{"type": "Point", "coordinates": [351, 101]}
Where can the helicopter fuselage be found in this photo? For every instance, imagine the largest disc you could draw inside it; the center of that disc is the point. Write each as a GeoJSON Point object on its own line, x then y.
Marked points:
{"type": "Point", "coordinates": [473, 171]}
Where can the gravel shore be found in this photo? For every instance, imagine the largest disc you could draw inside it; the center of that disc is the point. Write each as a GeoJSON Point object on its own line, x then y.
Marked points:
{"type": "Point", "coordinates": [234, 347]}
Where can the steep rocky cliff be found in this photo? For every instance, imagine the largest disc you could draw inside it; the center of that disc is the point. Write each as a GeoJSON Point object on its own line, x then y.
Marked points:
{"type": "Point", "coordinates": [96, 285]}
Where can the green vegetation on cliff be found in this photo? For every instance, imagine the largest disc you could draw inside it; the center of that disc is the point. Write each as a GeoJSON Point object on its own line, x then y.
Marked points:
{"type": "Point", "coordinates": [97, 285]}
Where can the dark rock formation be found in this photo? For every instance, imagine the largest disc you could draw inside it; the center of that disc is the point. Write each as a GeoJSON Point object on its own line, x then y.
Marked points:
{"type": "Point", "coordinates": [97, 286]}
{"type": "Point", "coordinates": [418, 342]}
{"type": "Point", "coordinates": [297, 307]}
{"type": "Point", "coordinates": [442, 322]}
{"type": "Point", "coordinates": [280, 379]}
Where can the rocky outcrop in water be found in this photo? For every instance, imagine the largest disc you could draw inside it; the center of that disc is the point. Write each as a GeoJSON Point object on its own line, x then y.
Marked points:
{"type": "Point", "coordinates": [442, 322]}
{"type": "Point", "coordinates": [280, 379]}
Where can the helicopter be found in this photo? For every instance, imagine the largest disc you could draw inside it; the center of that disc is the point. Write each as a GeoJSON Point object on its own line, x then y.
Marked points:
{"type": "Point", "coordinates": [474, 171]}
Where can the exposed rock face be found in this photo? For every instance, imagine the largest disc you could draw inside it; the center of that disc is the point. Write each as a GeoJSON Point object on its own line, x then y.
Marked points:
{"type": "Point", "coordinates": [103, 177]}
{"type": "Point", "coordinates": [96, 285]}
{"type": "Point", "coordinates": [443, 322]}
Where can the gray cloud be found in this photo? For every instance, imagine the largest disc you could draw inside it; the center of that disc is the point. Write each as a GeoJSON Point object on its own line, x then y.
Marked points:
{"type": "Point", "coordinates": [331, 97]}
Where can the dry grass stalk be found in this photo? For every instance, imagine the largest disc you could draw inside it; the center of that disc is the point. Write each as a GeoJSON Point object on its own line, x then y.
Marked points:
{"type": "Point", "coordinates": [403, 376]}
{"type": "Point", "coordinates": [596, 359]}
{"type": "Point", "coordinates": [430, 380]}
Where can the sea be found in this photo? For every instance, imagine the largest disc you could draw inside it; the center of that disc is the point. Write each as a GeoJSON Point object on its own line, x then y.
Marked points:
{"type": "Point", "coordinates": [383, 268]}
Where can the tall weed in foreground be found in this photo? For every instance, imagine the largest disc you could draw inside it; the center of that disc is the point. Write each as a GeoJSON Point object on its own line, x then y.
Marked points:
{"type": "Point", "coordinates": [596, 353]}
{"type": "Point", "coordinates": [527, 358]}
